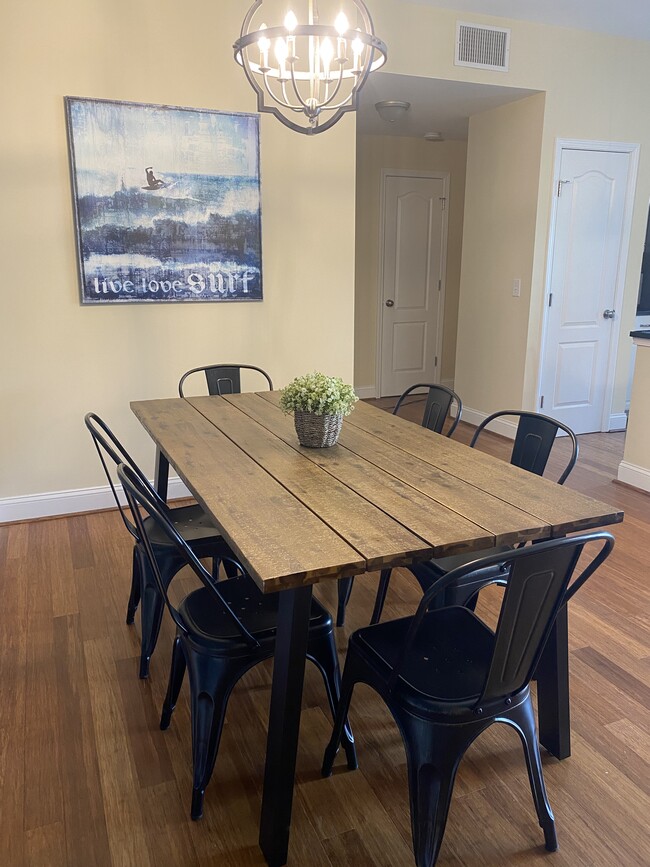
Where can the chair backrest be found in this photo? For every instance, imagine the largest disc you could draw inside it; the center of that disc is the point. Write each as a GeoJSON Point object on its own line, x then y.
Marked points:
{"type": "Point", "coordinates": [534, 440]}
{"type": "Point", "coordinates": [223, 378]}
{"type": "Point", "coordinates": [141, 496]}
{"type": "Point", "coordinates": [109, 448]}
{"type": "Point", "coordinates": [438, 402]}
{"type": "Point", "coordinates": [537, 581]}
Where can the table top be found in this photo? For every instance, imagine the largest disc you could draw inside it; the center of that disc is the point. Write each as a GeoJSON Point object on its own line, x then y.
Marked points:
{"type": "Point", "coordinates": [389, 494]}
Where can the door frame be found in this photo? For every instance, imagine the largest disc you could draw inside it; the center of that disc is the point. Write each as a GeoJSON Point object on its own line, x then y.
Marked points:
{"type": "Point", "coordinates": [632, 149]}
{"type": "Point", "coordinates": [410, 173]}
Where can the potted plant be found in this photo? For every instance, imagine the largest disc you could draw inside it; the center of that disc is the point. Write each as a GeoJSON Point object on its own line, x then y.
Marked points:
{"type": "Point", "coordinates": [318, 403]}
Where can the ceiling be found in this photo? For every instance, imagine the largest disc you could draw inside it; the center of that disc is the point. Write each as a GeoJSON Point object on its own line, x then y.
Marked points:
{"type": "Point", "coordinates": [445, 106]}
{"type": "Point", "coordinates": [630, 18]}
{"type": "Point", "coordinates": [436, 105]}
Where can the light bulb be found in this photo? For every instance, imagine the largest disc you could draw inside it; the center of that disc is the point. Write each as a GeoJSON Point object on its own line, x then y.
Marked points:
{"type": "Point", "coordinates": [281, 52]}
{"type": "Point", "coordinates": [341, 23]}
{"type": "Point", "coordinates": [326, 55]}
{"type": "Point", "coordinates": [290, 21]}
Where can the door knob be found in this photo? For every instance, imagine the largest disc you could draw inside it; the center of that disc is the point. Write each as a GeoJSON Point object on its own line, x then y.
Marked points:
{"type": "Point", "coordinates": [390, 303]}
{"type": "Point", "coordinates": [608, 314]}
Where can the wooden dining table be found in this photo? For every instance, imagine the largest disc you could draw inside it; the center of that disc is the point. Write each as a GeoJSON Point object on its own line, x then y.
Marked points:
{"type": "Point", "coordinates": [389, 494]}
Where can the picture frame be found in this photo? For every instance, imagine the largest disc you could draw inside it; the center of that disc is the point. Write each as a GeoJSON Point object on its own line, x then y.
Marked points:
{"type": "Point", "coordinates": [166, 202]}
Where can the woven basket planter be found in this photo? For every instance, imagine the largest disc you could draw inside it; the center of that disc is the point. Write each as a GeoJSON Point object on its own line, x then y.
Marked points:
{"type": "Point", "coordinates": [317, 431]}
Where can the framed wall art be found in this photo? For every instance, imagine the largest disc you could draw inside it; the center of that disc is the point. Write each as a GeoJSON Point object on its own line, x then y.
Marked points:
{"type": "Point", "coordinates": [166, 202]}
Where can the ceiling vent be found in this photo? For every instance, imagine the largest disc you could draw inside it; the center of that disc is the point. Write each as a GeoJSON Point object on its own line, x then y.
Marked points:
{"type": "Point", "coordinates": [482, 47]}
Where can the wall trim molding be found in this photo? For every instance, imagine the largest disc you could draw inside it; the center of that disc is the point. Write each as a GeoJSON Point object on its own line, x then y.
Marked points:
{"type": "Point", "coordinates": [617, 421]}
{"type": "Point", "coordinates": [58, 503]}
{"type": "Point", "coordinates": [363, 392]}
{"type": "Point", "coordinates": [631, 474]}
{"type": "Point", "coordinates": [499, 426]}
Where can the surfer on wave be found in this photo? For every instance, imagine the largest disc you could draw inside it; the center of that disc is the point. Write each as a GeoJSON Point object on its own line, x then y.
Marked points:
{"type": "Point", "coordinates": [153, 183]}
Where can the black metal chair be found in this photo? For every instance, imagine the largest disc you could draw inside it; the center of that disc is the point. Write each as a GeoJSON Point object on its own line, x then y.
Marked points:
{"type": "Point", "coordinates": [190, 521]}
{"type": "Point", "coordinates": [438, 401]}
{"type": "Point", "coordinates": [222, 630]}
{"type": "Point", "coordinates": [223, 378]}
{"type": "Point", "coordinates": [446, 677]}
{"type": "Point", "coordinates": [531, 450]}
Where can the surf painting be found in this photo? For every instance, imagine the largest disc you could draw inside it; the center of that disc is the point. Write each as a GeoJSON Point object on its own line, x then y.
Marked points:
{"type": "Point", "coordinates": [166, 202]}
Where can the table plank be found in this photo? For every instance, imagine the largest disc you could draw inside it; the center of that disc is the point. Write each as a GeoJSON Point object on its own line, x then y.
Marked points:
{"type": "Point", "coordinates": [499, 522]}
{"type": "Point", "coordinates": [445, 529]}
{"type": "Point", "coordinates": [378, 538]}
{"type": "Point", "coordinates": [305, 551]}
{"type": "Point", "coordinates": [565, 510]}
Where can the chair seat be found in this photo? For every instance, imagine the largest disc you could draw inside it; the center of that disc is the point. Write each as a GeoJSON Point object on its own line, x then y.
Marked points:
{"type": "Point", "coordinates": [209, 626]}
{"type": "Point", "coordinates": [447, 664]}
{"type": "Point", "coordinates": [192, 523]}
{"type": "Point", "coordinates": [442, 565]}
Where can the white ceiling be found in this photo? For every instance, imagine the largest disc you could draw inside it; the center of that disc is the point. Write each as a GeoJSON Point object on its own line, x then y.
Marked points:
{"type": "Point", "coordinates": [445, 106]}
{"type": "Point", "coordinates": [436, 105]}
{"type": "Point", "coordinates": [629, 18]}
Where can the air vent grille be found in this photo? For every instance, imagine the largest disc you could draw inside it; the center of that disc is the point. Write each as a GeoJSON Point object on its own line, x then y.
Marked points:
{"type": "Point", "coordinates": [483, 47]}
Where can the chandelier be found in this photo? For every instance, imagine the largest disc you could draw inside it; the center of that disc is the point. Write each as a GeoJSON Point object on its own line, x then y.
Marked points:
{"type": "Point", "coordinates": [310, 73]}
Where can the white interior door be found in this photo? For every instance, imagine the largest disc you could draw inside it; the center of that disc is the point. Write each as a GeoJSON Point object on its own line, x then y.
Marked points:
{"type": "Point", "coordinates": [586, 279]}
{"type": "Point", "coordinates": [412, 278]}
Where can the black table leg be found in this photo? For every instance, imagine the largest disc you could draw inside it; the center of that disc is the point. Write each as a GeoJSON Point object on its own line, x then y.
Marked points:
{"type": "Point", "coordinates": [284, 723]}
{"type": "Point", "coordinates": [553, 690]}
{"type": "Point", "coordinates": [161, 476]}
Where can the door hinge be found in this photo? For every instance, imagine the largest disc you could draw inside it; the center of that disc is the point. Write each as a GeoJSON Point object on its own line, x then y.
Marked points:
{"type": "Point", "coordinates": [435, 361]}
{"type": "Point", "coordinates": [550, 298]}
{"type": "Point", "coordinates": [541, 402]}
{"type": "Point", "coordinates": [559, 186]}
{"type": "Point", "coordinates": [439, 285]}
{"type": "Point", "coordinates": [443, 200]}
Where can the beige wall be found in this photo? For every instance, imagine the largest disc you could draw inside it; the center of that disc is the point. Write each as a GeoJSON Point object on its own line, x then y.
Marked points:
{"type": "Point", "coordinates": [59, 359]}
{"type": "Point", "coordinates": [596, 88]}
{"type": "Point", "coordinates": [498, 247]}
{"type": "Point", "coordinates": [375, 153]}
{"type": "Point", "coordinates": [635, 468]}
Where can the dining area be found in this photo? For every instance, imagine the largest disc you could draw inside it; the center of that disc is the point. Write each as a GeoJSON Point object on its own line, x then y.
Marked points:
{"type": "Point", "coordinates": [296, 540]}
{"type": "Point", "coordinates": [299, 522]}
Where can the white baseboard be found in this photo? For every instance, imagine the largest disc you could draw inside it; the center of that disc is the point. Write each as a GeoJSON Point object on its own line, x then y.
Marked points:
{"type": "Point", "coordinates": [58, 503]}
{"type": "Point", "coordinates": [638, 477]}
{"type": "Point", "coordinates": [369, 391]}
{"type": "Point", "coordinates": [617, 421]}
{"type": "Point", "coordinates": [499, 426]}
{"type": "Point", "coordinates": [365, 391]}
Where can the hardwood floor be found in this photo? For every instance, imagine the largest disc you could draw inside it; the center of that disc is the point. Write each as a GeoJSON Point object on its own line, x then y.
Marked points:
{"type": "Point", "coordinates": [88, 779]}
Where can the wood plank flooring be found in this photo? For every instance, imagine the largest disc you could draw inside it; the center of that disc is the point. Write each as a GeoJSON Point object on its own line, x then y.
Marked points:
{"type": "Point", "coordinates": [87, 779]}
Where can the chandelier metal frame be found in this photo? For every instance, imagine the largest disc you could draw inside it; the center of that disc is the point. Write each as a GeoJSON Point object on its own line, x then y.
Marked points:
{"type": "Point", "coordinates": [284, 83]}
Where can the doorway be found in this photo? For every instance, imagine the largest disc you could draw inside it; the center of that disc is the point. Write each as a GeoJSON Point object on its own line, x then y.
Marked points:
{"type": "Point", "coordinates": [412, 277]}
{"type": "Point", "coordinates": [590, 228]}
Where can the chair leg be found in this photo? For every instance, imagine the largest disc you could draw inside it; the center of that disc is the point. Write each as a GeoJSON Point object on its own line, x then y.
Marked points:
{"type": "Point", "coordinates": [211, 682]}
{"type": "Point", "coordinates": [176, 674]}
{"type": "Point", "coordinates": [152, 606]}
{"type": "Point", "coordinates": [344, 591]}
{"type": "Point", "coordinates": [523, 718]}
{"type": "Point", "coordinates": [433, 754]}
{"type": "Point", "coordinates": [382, 590]}
{"type": "Point", "coordinates": [322, 652]}
{"type": "Point", "coordinates": [151, 611]}
{"type": "Point", "coordinates": [134, 596]}
{"type": "Point", "coordinates": [340, 718]}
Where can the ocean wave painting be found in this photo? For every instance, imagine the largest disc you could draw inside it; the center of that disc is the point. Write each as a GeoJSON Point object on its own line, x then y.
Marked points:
{"type": "Point", "coordinates": [167, 202]}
